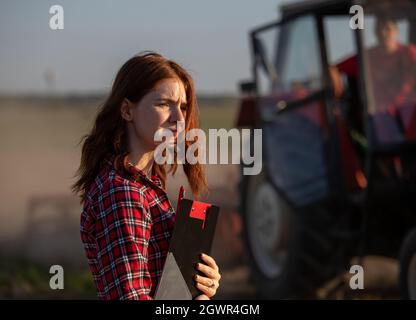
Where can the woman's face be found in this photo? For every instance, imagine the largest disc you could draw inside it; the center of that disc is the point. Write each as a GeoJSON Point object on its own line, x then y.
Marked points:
{"type": "Point", "coordinates": [162, 107]}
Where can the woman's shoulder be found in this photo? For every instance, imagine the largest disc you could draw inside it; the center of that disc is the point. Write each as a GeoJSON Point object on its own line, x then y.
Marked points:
{"type": "Point", "coordinates": [112, 197]}
{"type": "Point", "coordinates": [111, 183]}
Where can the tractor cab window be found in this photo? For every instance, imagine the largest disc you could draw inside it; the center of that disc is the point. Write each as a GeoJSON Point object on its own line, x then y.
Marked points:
{"type": "Point", "coordinates": [265, 44]}
{"type": "Point", "coordinates": [300, 66]}
{"type": "Point", "coordinates": [340, 38]}
{"type": "Point", "coordinates": [288, 60]}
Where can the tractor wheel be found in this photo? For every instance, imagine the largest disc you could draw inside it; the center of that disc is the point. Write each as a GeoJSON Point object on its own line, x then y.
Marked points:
{"type": "Point", "coordinates": [289, 251]}
{"type": "Point", "coordinates": [408, 266]}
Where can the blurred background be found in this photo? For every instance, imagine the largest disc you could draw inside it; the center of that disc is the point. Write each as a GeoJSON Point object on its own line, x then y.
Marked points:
{"type": "Point", "coordinates": [51, 85]}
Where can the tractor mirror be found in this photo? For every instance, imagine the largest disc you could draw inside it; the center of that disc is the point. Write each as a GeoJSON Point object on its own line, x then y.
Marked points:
{"type": "Point", "coordinates": [247, 87]}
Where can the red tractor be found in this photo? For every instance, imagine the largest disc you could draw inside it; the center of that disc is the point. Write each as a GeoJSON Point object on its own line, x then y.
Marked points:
{"type": "Point", "coordinates": [336, 101]}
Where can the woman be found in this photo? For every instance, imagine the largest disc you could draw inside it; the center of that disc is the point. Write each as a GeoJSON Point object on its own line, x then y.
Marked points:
{"type": "Point", "coordinates": [127, 219]}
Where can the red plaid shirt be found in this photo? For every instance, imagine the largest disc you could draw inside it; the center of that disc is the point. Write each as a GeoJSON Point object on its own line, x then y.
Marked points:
{"type": "Point", "coordinates": [126, 226]}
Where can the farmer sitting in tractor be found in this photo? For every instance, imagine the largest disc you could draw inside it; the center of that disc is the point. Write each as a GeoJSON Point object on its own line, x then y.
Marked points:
{"type": "Point", "coordinates": [392, 70]}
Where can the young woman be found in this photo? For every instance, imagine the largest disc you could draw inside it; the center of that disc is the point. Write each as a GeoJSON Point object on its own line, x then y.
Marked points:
{"type": "Point", "coordinates": [127, 219]}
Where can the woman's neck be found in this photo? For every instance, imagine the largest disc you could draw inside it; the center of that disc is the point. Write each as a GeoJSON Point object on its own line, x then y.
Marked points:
{"type": "Point", "coordinates": [139, 155]}
{"type": "Point", "coordinates": [142, 160]}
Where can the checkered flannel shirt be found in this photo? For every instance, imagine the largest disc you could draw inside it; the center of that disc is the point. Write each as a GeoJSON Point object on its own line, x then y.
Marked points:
{"type": "Point", "coordinates": [126, 225]}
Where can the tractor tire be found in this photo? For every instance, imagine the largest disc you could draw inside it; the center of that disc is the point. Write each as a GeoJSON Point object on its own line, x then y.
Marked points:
{"type": "Point", "coordinates": [408, 266]}
{"type": "Point", "coordinates": [290, 253]}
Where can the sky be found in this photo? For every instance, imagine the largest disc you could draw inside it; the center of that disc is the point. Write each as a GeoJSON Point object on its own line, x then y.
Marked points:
{"type": "Point", "coordinates": [209, 38]}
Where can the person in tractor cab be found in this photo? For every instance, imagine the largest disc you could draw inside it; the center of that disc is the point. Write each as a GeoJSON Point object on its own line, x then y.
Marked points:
{"type": "Point", "coordinates": [392, 68]}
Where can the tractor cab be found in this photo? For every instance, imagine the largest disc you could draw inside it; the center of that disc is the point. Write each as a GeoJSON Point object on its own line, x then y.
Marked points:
{"type": "Point", "coordinates": [335, 97]}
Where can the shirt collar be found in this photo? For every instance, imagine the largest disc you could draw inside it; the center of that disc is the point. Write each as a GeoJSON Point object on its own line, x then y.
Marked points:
{"type": "Point", "coordinates": [129, 169]}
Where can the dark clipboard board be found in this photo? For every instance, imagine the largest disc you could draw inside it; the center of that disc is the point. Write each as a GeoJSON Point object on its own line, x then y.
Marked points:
{"type": "Point", "coordinates": [193, 233]}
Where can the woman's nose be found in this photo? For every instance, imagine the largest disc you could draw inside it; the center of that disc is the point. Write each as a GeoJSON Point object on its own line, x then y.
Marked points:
{"type": "Point", "coordinates": [177, 114]}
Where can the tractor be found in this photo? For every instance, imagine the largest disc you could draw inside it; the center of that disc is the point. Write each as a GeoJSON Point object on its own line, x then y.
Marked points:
{"type": "Point", "coordinates": [336, 102]}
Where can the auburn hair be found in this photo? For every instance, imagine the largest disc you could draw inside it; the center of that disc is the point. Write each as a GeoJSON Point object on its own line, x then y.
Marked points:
{"type": "Point", "coordinates": [136, 78]}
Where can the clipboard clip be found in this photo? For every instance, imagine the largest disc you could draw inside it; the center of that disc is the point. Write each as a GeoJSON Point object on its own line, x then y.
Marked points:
{"type": "Point", "coordinates": [199, 211]}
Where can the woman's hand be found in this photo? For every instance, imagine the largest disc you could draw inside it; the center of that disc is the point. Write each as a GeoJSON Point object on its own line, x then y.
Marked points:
{"type": "Point", "coordinates": [209, 283]}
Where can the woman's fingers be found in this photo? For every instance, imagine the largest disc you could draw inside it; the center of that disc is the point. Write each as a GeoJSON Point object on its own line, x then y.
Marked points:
{"type": "Point", "coordinates": [209, 284]}
{"type": "Point", "coordinates": [205, 281]}
{"type": "Point", "coordinates": [209, 271]}
{"type": "Point", "coordinates": [210, 292]}
{"type": "Point", "coordinates": [210, 261]}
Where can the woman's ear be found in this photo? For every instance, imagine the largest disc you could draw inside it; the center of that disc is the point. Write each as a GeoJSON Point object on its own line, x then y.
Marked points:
{"type": "Point", "coordinates": [126, 110]}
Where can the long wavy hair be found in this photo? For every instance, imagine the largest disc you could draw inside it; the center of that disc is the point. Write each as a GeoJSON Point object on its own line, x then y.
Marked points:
{"type": "Point", "coordinates": [136, 78]}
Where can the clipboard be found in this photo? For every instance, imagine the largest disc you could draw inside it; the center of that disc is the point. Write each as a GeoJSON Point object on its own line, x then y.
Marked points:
{"type": "Point", "coordinates": [193, 234]}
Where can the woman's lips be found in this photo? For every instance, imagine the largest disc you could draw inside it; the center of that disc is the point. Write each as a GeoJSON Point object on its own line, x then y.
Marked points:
{"type": "Point", "coordinates": [174, 132]}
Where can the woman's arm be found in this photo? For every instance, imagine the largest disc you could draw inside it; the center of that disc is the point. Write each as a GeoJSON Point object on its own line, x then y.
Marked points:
{"type": "Point", "coordinates": [122, 234]}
